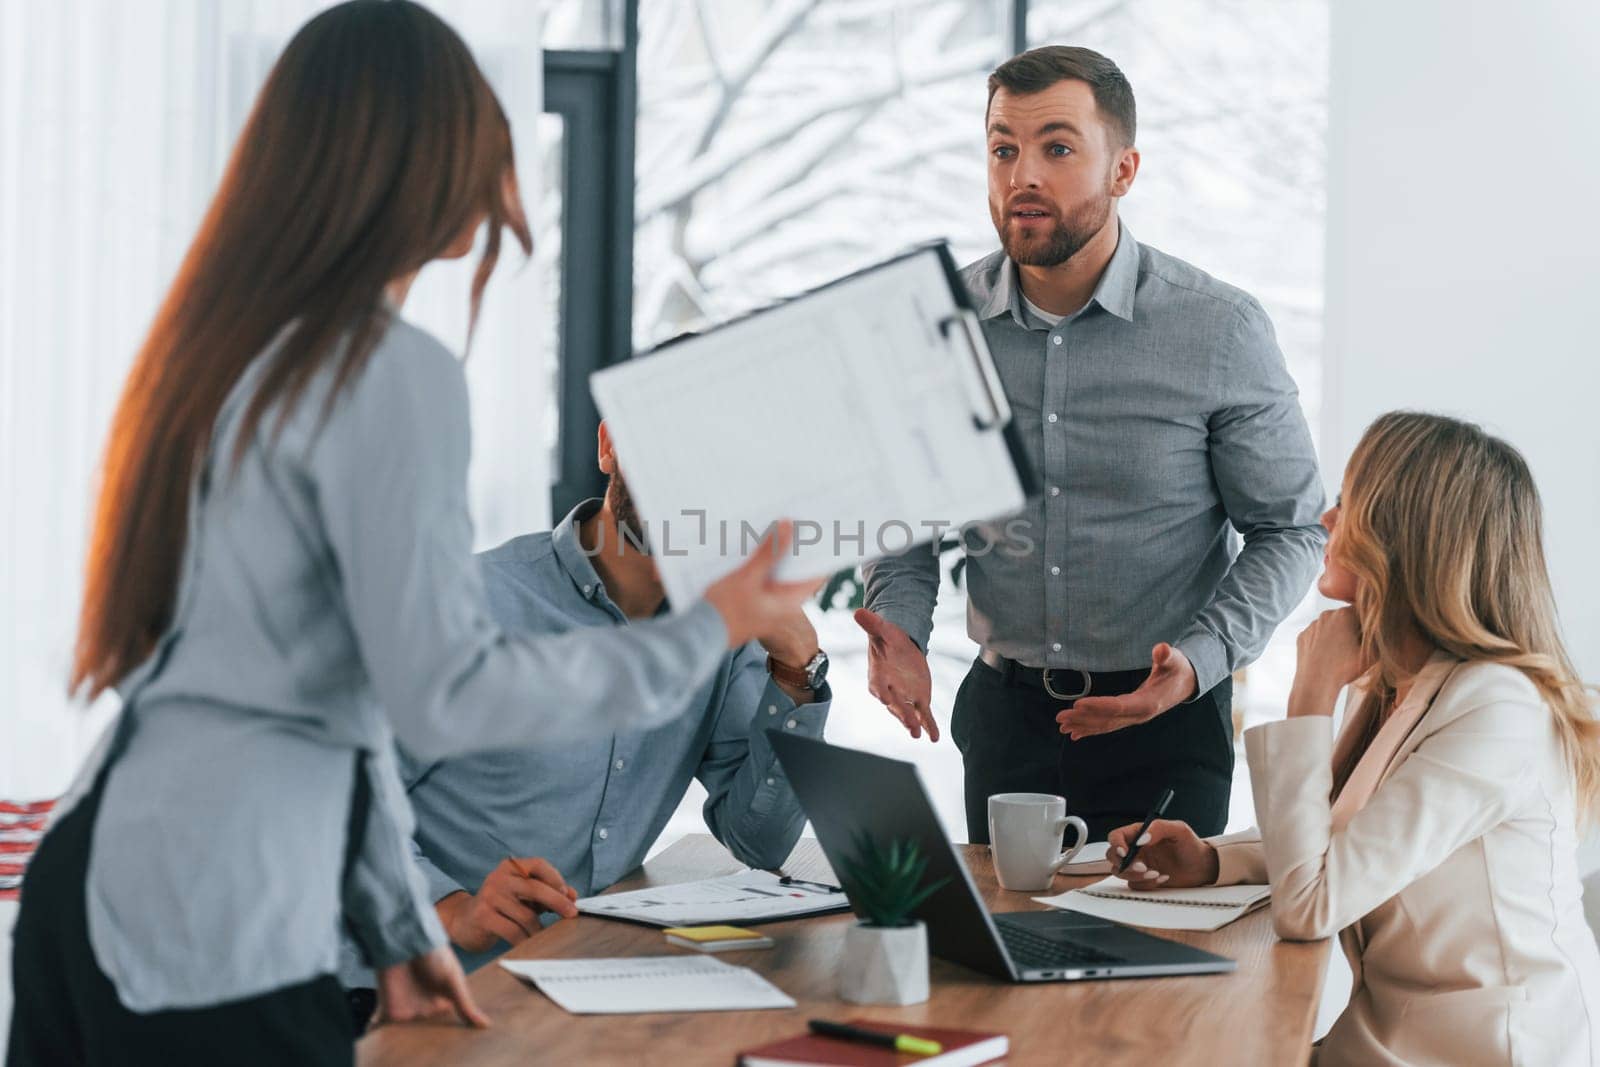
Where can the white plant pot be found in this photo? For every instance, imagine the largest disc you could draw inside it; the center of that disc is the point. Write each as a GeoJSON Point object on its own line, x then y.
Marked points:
{"type": "Point", "coordinates": [884, 964]}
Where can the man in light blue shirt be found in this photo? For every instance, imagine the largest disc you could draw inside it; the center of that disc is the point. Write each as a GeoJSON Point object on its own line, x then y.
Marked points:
{"type": "Point", "coordinates": [591, 810]}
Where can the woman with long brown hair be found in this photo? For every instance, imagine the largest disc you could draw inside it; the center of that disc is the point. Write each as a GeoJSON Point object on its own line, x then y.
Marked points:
{"type": "Point", "coordinates": [280, 584]}
{"type": "Point", "coordinates": [1437, 836]}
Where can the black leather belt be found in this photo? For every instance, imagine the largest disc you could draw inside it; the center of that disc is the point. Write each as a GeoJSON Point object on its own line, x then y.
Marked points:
{"type": "Point", "coordinates": [1064, 683]}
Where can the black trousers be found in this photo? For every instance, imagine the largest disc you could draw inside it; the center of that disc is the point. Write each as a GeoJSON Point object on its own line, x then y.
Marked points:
{"type": "Point", "coordinates": [1010, 743]}
{"type": "Point", "coordinates": [66, 1011]}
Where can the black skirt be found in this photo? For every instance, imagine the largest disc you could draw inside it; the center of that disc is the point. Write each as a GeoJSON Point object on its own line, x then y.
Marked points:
{"type": "Point", "coordinates": [65, 1010]}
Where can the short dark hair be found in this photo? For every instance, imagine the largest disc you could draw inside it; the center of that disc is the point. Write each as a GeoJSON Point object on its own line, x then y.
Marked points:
{"type": "Point", "coordinates": [1036, 70]}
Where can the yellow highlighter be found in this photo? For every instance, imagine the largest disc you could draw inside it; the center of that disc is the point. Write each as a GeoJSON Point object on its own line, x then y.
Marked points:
{"type": "Point", "coordinates": [915, 1046]}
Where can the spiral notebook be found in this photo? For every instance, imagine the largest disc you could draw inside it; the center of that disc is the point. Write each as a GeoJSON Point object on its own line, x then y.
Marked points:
{"type": "Point", "coordinates": [1208, 907]}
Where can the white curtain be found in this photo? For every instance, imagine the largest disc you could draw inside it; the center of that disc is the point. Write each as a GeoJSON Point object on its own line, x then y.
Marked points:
{"type": "Point", "coordinates": [115, 122]}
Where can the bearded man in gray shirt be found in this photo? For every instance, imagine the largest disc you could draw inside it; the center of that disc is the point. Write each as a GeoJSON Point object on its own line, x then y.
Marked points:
{"type": "Point", "coordinates": [1157, 411]}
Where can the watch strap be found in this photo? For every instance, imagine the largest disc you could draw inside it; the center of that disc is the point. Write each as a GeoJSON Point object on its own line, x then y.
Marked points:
{"type": "Point", "coordinates": [798, 677]}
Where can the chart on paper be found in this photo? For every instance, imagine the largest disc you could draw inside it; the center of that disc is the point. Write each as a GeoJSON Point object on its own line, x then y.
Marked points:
{"type": "Point", "coordinates": [866, 412]}
{"type": "Point", "coordinates": [748, 897]}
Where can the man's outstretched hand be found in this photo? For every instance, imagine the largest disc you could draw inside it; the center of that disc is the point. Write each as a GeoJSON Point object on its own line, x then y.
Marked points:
{"type": "Point", "coordinates": [898, 675]}
{"type": "Point", "coordinates": [1172, 681]}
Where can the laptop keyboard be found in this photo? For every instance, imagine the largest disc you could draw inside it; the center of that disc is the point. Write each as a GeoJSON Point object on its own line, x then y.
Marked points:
{"type": "Point", "coordinates": [1035, 950]}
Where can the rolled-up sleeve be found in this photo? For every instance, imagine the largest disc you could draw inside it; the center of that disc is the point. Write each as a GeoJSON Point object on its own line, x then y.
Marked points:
{"type": "Point", "coordinates": [1266, 472]}
{"type": "Point", "coordinates": [750, 806]}
{"type": "Point", "coordinates": [387, 903]}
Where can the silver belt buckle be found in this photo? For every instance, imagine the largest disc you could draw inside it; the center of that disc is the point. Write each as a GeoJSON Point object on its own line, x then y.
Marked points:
{"type": "Point", "coordinates": [1088, 684]}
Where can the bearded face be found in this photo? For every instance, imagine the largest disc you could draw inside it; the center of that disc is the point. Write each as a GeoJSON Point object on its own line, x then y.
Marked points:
{"type": "Point", "coordinates": [1036, 233]}
{"type": "Point", "coordinates": [620, 501]}
{"type": "Point", "coordinates": [1052, 172]}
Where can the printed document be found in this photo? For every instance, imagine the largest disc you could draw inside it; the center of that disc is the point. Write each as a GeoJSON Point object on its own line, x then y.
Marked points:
{"type": "Point", "coordinates": [748, 897]}
{"type": "Point", "coordinates": [868, 412]}
{"type": "Point", "coordinates": [649, 983]}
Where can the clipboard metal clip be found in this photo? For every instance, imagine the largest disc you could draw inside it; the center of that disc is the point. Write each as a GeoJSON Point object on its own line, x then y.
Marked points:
{"type": "Point", "coordinates": [997, 411]}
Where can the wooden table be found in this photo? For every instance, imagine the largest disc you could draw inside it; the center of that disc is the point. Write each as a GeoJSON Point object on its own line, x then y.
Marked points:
{"type": "Point", "coordinates": [1261, 1014]}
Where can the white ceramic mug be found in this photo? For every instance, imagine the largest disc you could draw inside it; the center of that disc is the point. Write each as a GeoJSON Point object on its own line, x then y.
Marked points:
{"type": "Point", "coordinates": [1025, 838]}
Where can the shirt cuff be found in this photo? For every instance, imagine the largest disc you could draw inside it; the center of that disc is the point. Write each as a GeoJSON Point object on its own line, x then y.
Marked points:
{"type": "Point", "coordinates": [1239, 858]}
{"type": "Point", "coordinates": [440, 885]}
{"type": "Point", "coordinates": [705, 621]}
{"type": "Point", "coordinates": [1207, 655]}
{"type": "Point", "coordinates": [918, 625]}
{"type": "Point", "coordinates": [403, 937]}
{"type": "Point", "coordinates": [778, 710]}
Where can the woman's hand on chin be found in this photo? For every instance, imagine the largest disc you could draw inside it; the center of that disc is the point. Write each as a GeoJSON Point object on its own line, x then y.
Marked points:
{"type": "Point", "coordinates": [1329, 657]}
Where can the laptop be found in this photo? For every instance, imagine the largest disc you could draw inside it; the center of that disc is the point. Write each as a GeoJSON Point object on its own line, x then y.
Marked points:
{"type": "Point", "coordinates": [846, 793]}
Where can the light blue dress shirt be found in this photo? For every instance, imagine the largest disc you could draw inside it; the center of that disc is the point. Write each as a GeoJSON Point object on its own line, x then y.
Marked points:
{"type": "Point", "coordinates": [329, 604]}
{"type": "Point", "coordinates": [593, 808]}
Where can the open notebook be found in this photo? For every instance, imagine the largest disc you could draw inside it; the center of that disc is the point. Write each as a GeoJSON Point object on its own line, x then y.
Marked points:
{"type": "Point", "coordinates": [1208, 907]}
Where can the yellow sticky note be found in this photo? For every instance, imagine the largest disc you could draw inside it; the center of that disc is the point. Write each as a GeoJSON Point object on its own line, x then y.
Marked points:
{"type": "Point", "coordinates": [714, 933]}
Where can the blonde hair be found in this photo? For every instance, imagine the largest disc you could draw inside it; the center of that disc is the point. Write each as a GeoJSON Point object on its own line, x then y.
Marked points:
{"type": "Point", "coordinates": [1441, 526]}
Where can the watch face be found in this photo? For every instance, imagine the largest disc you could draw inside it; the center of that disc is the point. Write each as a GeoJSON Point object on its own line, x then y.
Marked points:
{"type": "Point", "coordinates": [817, 670]}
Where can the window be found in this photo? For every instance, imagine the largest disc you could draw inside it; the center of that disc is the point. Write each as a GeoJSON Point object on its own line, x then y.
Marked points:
{"type": "Point", "coordinates": [115, 123]}
{"type": "Point", "coordinates": [784, 142]}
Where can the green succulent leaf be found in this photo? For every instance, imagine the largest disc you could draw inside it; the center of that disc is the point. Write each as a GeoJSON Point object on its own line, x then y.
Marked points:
{"type": "Point", "coordinates": [889, 879]}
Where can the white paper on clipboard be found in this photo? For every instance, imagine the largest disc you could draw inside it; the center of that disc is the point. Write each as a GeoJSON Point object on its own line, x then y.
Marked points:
{"type": "Point", "coordinates": [868, 411]}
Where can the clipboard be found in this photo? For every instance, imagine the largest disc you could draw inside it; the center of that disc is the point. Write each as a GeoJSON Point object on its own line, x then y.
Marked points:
{"type": "Point", "coordinates": [867, 410]}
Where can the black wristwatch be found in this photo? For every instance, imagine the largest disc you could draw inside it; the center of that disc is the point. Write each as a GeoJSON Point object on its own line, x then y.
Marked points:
{"type": "Point", "coordinates": [812, 676]}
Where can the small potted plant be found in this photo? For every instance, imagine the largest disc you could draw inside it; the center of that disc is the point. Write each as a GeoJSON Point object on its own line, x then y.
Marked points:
{"type": "Point", "coordinates": [885, 957]}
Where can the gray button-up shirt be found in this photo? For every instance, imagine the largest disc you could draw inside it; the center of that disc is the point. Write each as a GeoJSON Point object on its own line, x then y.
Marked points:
{"type": "Point", "coordinates": [593, 808]}
{"type": "Point", "coordinates": [330, 604]}
{"type": "Point", "coordinates": [1162, 424]}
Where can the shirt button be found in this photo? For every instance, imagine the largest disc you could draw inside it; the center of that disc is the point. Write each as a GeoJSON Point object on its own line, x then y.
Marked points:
{"type": "Point", "coordinates": [1053, 648]}
{"type": "Point", "coordinates": [1056, 339]}
{"type": "Point", "coordinates": [1055, 570]}
{"type": "Point", "coordinates": [588, 589]}
{"type": "Point", "coordinates": [790, 725]}
{"type": "Point", "coordinates": [1055, 490]}
{"type": "Point", "coordinates": [1051, 417]}
{"type": "Point", "coordinates": [772, 709]}
{"type": "Point", "coordinates": [604, 833]}
{"type": "Point", "coordinates": [619, 764]}
{"type": "Point", "coordinates": [772, 781]}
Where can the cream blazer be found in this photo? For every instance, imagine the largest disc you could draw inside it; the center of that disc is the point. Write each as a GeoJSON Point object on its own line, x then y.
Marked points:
{"type": "Point", "coordinates": [1448, 868]}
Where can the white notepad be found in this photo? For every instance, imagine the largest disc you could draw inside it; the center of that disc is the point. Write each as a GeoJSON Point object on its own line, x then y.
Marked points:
{"type": "Point", "coordinates": [1208, 907]}
{"type": "Point", "coordinates": [1091, 859]}
{"type": "Point", "coordinates": [649, 984]}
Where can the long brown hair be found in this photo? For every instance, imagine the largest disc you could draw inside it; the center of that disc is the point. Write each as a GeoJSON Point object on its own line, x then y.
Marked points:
{"type": "Point", "coordinates": [1441, 525]}
{"type": "Point", "coordinates": [374, 146]}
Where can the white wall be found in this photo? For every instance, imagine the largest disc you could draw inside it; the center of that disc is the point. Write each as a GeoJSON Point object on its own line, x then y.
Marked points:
{"type": "Point", "coordinates": [1463, 269]}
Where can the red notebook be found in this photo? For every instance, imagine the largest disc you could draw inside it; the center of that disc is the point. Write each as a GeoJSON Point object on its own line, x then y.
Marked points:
{"type": "Point", "coordinates": [962, 1048]}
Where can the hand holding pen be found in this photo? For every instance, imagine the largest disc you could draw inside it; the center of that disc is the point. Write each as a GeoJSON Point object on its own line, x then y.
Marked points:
{"type": "Point", "coordinates": [1162, 853]}
{"type": "Point", "coordinates": [506, 906]}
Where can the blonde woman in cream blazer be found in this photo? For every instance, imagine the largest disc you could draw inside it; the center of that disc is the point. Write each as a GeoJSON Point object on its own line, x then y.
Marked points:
{"type": "Point", "coordinates": [1437, 834]}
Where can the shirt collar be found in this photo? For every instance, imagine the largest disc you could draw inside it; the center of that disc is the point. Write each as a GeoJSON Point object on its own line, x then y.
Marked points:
{"type": "Point", "coordinates": [570, 552]}
{"type": "Point", "coordinates": [1120, 278]}
{"type": "Point", "coordinates": [579, 564]}
{"type": "Point", "coordinates": [1114, 292]}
